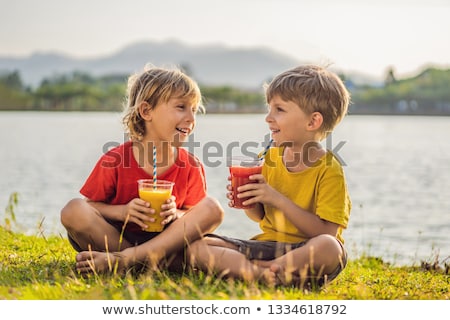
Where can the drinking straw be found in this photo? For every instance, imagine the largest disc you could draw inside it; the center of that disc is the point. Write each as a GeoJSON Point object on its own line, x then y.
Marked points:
{"type": "Point", "coordinates": [266, 149]}
{"type": "Point", "coordinates": [154, 167]}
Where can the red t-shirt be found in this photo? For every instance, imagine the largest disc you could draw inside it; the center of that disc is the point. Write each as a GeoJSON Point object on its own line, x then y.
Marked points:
{"type": "Point", "coordinates": [114, 178]}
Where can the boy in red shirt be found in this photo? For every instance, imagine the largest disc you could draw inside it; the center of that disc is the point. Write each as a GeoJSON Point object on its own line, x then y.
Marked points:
{"type": "Point", "coordinates": [106, 227]}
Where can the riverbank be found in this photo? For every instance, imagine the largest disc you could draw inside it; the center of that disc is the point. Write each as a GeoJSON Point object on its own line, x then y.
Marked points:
{"type": "Point", "coordinates": [40, 267]}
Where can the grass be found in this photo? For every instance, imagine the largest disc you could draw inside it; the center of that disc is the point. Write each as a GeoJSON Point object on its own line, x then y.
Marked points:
{"type": "Point", "coordinates": [39, 267]}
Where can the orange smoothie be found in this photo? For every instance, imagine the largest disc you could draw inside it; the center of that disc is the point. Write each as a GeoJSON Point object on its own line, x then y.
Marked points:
{"type": "Point", "coordinates": [156, 196]}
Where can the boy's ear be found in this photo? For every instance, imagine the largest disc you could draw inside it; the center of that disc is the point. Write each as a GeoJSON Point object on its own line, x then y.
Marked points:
{"type": "Point", "coordinates": [315, 121]}
{"type": "Point", "coordinates": [145, 111]}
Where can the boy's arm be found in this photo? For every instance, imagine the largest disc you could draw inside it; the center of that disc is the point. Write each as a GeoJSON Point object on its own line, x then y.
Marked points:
{"type": "Point", "coordinates": [109, 211]}
{"type": "Point", "coordinates": [137, 211]}
{"type": "Point", "coordinates": [182, 211]}
{"type": "Point", "coordinates": [308, 223]}
{"type": "Point", "coordinates": [257, 213]}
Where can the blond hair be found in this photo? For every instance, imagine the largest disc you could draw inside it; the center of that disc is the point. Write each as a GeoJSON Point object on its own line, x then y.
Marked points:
{"type": "Point", "coordinates": [313, 89]}
{"type": "Point", "coordinates": [156, 85]}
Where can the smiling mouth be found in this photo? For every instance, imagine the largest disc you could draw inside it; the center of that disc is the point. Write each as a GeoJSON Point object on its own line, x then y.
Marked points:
{"type": "Point", "coordinates": [184, 131]}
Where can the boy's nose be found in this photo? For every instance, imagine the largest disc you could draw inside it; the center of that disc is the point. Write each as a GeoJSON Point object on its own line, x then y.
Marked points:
{"type": "Point", "coordinates": [190, 117]}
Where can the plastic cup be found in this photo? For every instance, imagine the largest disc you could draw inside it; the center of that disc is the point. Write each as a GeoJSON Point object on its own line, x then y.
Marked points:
{"type": "Point", "coordinates": [241, 168]}
{"type": "Point", "coordinates": [156, 194]}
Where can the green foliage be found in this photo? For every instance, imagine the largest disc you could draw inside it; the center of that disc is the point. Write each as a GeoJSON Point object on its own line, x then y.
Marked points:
{"type": "Point", "coordinates": [81, 92]}
{"type": "Point", "coordinates": [229, 99]}
{"type": "Point", "coordinates": [13, 94]}
{"type": "Point", "coordinates": [426, 93]}
{"type": "Point", "coordinates": [10, 215]}
{"type": "Point", "coordinates": [12, 81]}
{"type": "Point", "coordinates": [39, 267]}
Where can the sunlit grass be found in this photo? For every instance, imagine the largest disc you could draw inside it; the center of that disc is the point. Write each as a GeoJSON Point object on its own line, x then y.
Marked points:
{"type": "Point", "coordinates": [38, 267]}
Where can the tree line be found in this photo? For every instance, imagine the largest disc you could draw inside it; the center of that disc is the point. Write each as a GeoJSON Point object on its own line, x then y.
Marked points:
{"type": "Point", "coordinates": [80, 91]}
{"type": "Point", "coordinates": [425, 93]}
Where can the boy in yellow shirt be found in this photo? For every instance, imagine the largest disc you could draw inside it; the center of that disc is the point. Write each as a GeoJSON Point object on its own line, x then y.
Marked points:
{"type": "Point", "coordinates": [301, 196]}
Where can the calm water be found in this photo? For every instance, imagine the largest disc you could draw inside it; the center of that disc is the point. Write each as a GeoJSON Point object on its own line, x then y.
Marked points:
{"type": "Point", "coordinates": [398, 171]}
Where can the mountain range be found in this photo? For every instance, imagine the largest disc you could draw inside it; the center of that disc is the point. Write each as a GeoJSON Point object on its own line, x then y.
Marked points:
{"type": "Point", "coordinates": [209, 64]}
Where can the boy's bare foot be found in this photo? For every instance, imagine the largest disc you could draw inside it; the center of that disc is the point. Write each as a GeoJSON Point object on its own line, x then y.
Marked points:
{"type": "Point", "coordinates": [285, 277]}
{"type": "Point", "coordinates": [262, 274]}
{"type": "Point", "coordinates": [98, 262]}
{"type": "Point", "coordinates": [269, 278]}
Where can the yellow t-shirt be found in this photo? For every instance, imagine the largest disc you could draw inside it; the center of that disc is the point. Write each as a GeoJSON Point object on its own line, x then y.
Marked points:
{"type": "Point", "coordinates": [320, 189]}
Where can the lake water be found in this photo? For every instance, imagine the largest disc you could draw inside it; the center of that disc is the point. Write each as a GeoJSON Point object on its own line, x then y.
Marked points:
{"type": "Point", "coordinates": [398, 171]}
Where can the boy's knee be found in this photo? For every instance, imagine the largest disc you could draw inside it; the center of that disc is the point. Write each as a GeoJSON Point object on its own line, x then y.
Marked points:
{"type": "Point", "coordinates": [328, 243]}
{"type": "Point", "coordinates": [68, 212]}
{"type": "Point", "coordinates": [213, 207]}
{"type": "Point", "coordinates": [193, 250]}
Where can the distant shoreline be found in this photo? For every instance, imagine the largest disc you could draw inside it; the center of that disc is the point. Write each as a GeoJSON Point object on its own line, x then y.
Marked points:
{"type": "Point", "coordinates": [356, 113]}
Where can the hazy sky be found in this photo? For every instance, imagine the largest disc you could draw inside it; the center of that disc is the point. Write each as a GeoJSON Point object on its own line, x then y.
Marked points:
{"type": "Point", "coordinates": [365, 36]}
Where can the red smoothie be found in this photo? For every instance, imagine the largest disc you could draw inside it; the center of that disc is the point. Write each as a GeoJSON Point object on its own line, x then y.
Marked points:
{"type": "Point", "coordinates": [239, 177]}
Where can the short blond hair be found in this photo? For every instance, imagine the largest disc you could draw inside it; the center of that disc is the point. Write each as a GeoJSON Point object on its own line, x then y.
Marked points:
{"type": "Point", "coordinates": [313, 89]}
{"type": "Point", "coordinates": [156, 85]}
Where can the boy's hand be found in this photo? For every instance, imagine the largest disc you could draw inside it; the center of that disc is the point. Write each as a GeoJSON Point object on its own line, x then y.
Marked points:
{"type": "Point", "coordinates": [258, 191]}
{"type": "Point", "coordinates": [230, 193]}
{"type": "Point", "coordinates": [246, 190]}
{"type": "Point", "coordinates": [169, 210]}
{"type": "Point", "coordinates": [138, 211]}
